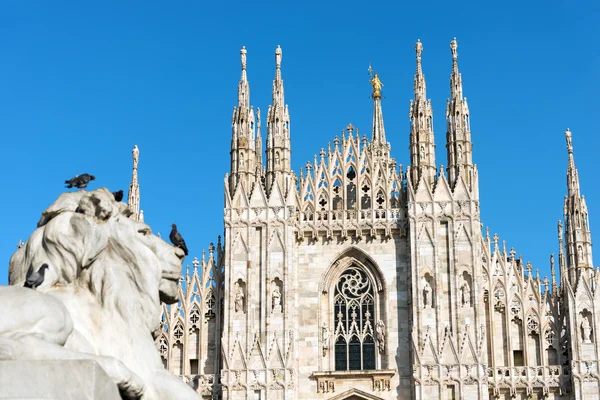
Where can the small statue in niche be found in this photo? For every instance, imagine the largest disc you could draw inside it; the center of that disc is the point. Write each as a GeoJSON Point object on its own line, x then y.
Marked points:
{"type": "Point", "coordinates": [239, 300]}
{"type": "Point", "coordinates": [586, 330]}
{"type": "Point", "coordinates": [380, 333]}
{"type": "Point", "coordinates": [465, 294]}
{"type": "Point", "coordinates": [459, 152]}
{"type": "Point", "coordinates": [276, 298]}
{"type": "Point", "coordinates": [325, 337]}
{"type": "Point", "coordinates": [427, 295]}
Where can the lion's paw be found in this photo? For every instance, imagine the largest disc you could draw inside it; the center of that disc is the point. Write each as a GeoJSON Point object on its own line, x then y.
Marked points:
{"type": "Point", "coordinates": [130, 385]}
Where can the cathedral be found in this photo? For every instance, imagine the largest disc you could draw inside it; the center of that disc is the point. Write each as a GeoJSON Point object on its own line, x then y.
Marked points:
{"type": "Point", "coordinates": [361, 279]}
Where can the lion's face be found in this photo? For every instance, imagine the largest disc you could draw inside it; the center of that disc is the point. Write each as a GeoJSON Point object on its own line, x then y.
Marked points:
{"type": "Point", "coordinates": [88, 241]}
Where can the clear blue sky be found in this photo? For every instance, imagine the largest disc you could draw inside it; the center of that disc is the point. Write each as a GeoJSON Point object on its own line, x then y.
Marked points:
{"type": "Point", "coordinates": [82, 82]}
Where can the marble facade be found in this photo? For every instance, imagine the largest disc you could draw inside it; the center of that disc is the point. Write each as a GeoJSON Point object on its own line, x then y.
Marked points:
{"type": "Point", "coordinates": [363, 279]}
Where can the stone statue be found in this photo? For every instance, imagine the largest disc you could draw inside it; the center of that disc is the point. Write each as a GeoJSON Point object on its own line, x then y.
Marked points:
{"type": "Point", "coordinates": [276, 298]}
{"type": "Point", "coordinates": [419, 48]}
{"type": "Point", "coordinates": [325, 337]}
{"type": "Point", "coordinates": [136, 156]}
{"type": "Point", "coordinates": [465, 291]}
{"type": "Point", "coordinates": [459, 152]}
{"type": "Point", "coordinates": [239, 300]}
{"type": "Point", "coordinates": [422, 154]}
{"type": "Point", "coordinates": [586, 330]}
{"type": "Point", "coordinates": [569, 141]}
{"type": "Point", "coordinates": [278, 54]}
{"type": "Point", "coordinates": [243, 57]}
{"type": "Point", "coordinates": [97, 301]}
{"type": "Point", "coordinates": [380, 335]}
{"type": "Point", "coordinates": [427, 295]}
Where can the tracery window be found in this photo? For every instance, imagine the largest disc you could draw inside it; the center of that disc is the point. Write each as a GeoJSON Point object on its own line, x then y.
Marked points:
{"type": "Point", "coordinates": [354, 312]}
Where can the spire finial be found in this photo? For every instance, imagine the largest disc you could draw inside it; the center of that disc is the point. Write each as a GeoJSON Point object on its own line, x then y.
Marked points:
{"type": "Point", "coordinates": [133, 200]}
{"type": "Point", "coordinates": [453, 47]}
{"type": "Point", "coordinates": [377, 85]}
{"type": "Point", "coordinates": [243, 57]}
{"type": "Point", "coordinates": [419, 50]}
{"type": "Point", "coordinates": [278, 54]}
{"type": "Point", "coordinates": [136, 156]}
{"type": "Point", "coordinates": [568, 136]}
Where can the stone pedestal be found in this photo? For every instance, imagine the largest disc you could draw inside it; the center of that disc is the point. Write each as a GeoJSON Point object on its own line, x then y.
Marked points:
{"type": "Point", "coordinates": [57, 380]}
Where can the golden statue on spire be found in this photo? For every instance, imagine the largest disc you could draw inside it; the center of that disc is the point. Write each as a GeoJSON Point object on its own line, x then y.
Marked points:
{"type": "Point", "coordinates": [376, 83]}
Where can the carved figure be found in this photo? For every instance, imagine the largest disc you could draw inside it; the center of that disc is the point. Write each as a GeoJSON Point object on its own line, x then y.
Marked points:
{"type": "Point", "coordinates": [243, 56]}
{"type": "Point", "coordinates": [569, 141]}
{"type": "Point", "coordinates": [465, 291]}
{"type": "Point", "coordinates": [96, 301]}
{"type": "Point", "coordinates": [278, 54]}
{"type": "Point", "coordinates": [377, 85]}
{"type": "Point", "coordinates": [325, 337]}
{"type": "Point", "coordinates": [276, 298]}
{"type": "Point", "coordinates": [586, 330]}
{"type": "Point", "coordinates": [459, 152]}
{"type": "Point", "coordinates": [422, 153]}
{"type": "Point", "coordinates": [239, 299]}
{"type": "Point", "coordinates": [380, 333]}
{"type": "Point", "coordinates": [136, 156]}
{"type": "Point", "coordinates": [427, 295]}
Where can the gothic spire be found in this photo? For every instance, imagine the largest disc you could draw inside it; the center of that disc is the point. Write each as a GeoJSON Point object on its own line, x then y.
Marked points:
{"type": "Point", "coordinates": [258, 146]}
{"type": "Point", "coordinates": [278, 135]}
{"type": "Point", "coordinates": [134, 188]}
{"type": "Point", "coordinates": [577, 232]}
{"type": "Point", "coordinates": [458, 136]}
{"type": "Point", "coordinates": [278, 97]}
{"type": "Point", "coordinates": [562, 265]}
{"type": "Point", "coordinates": [572, 174]}
{"type": "Point", "coordinates": [553, 274]}
{"type": "Point", "coordinates": [378, 135]}
{"type": "Point", "coordinates": [422, 145]}
{"type": "Point", "coordinates": [242, 139]}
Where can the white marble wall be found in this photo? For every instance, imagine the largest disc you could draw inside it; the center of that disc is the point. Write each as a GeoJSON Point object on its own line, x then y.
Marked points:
{"type": "Point", "coordinates": [319, 263]}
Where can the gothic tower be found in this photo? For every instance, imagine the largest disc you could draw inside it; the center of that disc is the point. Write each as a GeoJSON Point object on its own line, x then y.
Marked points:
{"type": "Point", "coordinates": [422, 145]}
{"type": "Point", "coordinates": [458, 135]}
{"type": "Point", "coordinates": [243, 143]}
{"type": "Point", "coordinates": [581, 303]}
{"type": "Point", "coordinates": [278, 136]}
{"type": "Point", "coordinates": [260, 278]}
{"type": "Point", "coordinates": [447, 295]}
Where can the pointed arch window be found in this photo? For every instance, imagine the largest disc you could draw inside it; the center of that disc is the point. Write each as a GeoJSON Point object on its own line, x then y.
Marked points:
{"type": "Point", "coordinates": [354, 312]}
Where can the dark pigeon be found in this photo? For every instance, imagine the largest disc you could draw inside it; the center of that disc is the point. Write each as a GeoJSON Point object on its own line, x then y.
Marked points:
{"type": "Point", "coordinates": [80, 181]}
{"type": "Point", "coordinates": [177, 239]}
{"type": "Point", "coordinates": [35, 279]}
{"type": "Point", "coordinates": [118, 195]}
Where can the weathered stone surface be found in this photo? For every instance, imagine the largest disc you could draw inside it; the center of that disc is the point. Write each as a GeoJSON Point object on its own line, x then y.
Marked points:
{"type": "Point", "coordinates": [57, 380]}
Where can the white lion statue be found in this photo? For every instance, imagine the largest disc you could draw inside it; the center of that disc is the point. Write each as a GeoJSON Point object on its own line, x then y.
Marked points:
{"type": "Point", "coordinates": [101, 294]}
